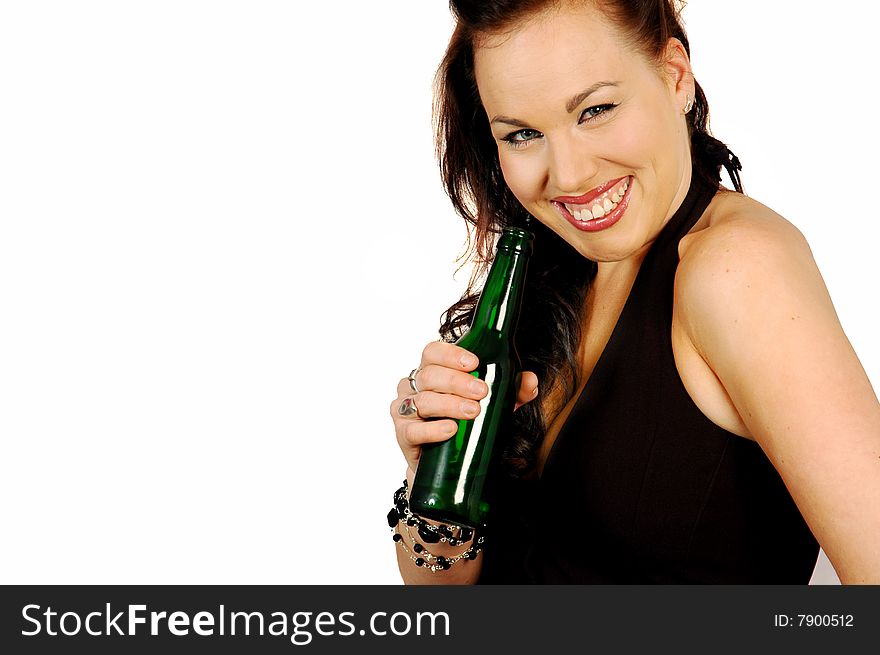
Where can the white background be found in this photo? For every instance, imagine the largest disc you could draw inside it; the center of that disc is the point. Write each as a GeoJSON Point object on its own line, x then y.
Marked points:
{"type": "Point", "coordinates": [223, 240]}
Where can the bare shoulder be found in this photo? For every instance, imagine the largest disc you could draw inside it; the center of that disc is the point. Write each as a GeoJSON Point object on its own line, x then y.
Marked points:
{"type": "Point", "coordinates": [753, 305]}
{"type": "Point", "coordinates": [742, 228]}
{"type": "Point", "coordinates": [741, 256]}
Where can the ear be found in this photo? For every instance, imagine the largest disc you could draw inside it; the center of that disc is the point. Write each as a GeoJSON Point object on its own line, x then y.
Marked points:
{"type": "Point", "coordinates": [677, 71]}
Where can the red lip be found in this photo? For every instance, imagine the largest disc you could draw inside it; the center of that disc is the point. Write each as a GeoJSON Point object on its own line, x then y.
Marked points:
{"type": "Point", "coordinates": [590, 196]}
{"type": "Point", "coordinates": [596, 224]}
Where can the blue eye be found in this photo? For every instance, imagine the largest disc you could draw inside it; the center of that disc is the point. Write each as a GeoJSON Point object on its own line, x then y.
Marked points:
{"type": "Point", "coordinates": [514, 142]}
{"type": "Point", "coordinates": [520, 138]}
{"type": "Point", "coordinates": [598, 110]}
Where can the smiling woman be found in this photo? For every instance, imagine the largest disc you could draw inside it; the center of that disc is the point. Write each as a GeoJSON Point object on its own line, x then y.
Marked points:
{"type": "Point", "coordinates": [693, 411]}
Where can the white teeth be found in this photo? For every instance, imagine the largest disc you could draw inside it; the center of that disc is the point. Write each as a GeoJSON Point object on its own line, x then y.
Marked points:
{"type": "Point", "coordinates": [602, 207]}
{"type": "Point", "coordinates": [597, 211]}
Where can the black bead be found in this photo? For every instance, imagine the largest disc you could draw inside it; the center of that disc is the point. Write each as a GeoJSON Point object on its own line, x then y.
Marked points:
{"type": "Point", "coordinates": [397, 536]}
{"type": "Point", "coordinates": [442, 561]}
{"type": "Point", "coordinates": [411, 520]}
{"type": "Point", "coordinates": [453, 542]}
{"type": "Point", "coordinates": [418, 548]}
{"type": "Point", "coordinates": [393, 518]}
{"type": "Point", "coordinates": [420, 561]}
{"type": "Point", "coordinates": [471, 554]}
{"type": "Point", "coordinates": [427, 535]}
{"type": "Point", "coordinates": [466, 534]}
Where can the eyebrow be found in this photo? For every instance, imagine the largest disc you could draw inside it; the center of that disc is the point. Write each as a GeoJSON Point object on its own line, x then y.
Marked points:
{"type": "Point", "coordinates": [576, 100]}
{"type": "Point", "coordinates": [570, 106]}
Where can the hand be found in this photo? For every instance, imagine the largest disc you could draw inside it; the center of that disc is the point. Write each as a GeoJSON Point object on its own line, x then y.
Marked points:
{"type": "Point", "coordinates": [447, 392]}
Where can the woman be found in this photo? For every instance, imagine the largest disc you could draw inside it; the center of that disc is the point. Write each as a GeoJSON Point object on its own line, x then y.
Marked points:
{"type": "Point", "coordinates": [693, 410]}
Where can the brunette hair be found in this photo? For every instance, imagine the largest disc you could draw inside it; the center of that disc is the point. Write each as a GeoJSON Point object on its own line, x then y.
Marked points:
{"type": "Point", "coordinates": [549, 333]}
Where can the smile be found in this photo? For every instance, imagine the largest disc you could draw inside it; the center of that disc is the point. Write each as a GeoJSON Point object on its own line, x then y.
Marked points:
{"type": "Point", "coordinates": [598, 209]}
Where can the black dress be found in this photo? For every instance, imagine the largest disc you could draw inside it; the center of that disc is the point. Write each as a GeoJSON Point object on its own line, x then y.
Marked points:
{"type": "Point", "coordinates": [641, 487]}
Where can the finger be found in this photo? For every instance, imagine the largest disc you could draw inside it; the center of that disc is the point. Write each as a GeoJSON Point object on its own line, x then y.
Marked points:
{"type": "Point", "coordinates": [411, 435]}
{"type": "Point", "coordinates": [442, 405]}
{"type": "Point", "coordinates": [442, 379]}
{"type": "Point", "coordinates": [528, 389]}
{"type": "Point", "coordinates": [405, 409]}
{"type": "Point", "coordinates": [403, 389]}
{"type": "Point", "coordinates": [416, 433]}
{"type": "Point", "coordinates": [429, 405]}
{"type": "Point", "coordinates": [448, 355]}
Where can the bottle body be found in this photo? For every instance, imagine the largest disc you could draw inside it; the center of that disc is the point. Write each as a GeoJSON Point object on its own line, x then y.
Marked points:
{"type": "Point", "coordinates": [453, 482]}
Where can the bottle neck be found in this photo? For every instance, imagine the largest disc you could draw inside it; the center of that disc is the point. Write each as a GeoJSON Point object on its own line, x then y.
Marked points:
{"type": "Point", "coordinates": [498, 307]}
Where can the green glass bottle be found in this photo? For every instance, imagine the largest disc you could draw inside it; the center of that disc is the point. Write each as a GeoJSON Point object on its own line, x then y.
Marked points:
{"type": "Point", "coordinates": [453, 478]}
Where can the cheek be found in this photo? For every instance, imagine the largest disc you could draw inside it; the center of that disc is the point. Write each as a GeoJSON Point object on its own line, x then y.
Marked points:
{"type": "Point", "coordinates": [523, 176]}
{"type": "Point", "coordinates": [634, 141]}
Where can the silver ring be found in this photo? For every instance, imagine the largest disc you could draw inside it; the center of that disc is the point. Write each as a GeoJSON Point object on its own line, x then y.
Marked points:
{"type": "Point", "coordinates": [408, 407]}
{"type": "Point", "coordinates": [412, 379]}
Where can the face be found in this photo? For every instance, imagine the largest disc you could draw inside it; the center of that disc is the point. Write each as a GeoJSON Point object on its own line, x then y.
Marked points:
{"type": "Point", "coordinates": [591, 136]}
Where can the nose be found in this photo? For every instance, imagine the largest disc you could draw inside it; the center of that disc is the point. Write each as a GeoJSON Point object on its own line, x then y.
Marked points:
{"type": "Point", "coordinates": [571, 168]}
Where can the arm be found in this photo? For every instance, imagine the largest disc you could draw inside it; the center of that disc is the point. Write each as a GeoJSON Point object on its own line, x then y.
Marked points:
{"type": "Point", "coordinates": [445, 389]}
{"type": "Point", "coordinates": [757, 310]}
{"type": "Point", "coordinates": [461, 573]}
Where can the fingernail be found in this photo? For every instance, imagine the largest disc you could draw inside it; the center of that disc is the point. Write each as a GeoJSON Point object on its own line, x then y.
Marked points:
{"type": "Point", "coordinates": [477, 386]}
{"type": "Point", "coordinates": [452, 428]}
{"type": "Point", "coordinates": [468, 361]}
{"type": "Point", "coordinates": [535, 393]}
{"type": "Point", "coordinates": [470, 409]}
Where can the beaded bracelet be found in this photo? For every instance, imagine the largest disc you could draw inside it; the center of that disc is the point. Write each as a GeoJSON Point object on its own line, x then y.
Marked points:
{"type": "Point", "coordinates": [400, 514]}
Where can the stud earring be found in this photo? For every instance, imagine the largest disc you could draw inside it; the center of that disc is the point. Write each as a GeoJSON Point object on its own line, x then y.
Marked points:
{"type": "Point", "coordinates": [688, 105]}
